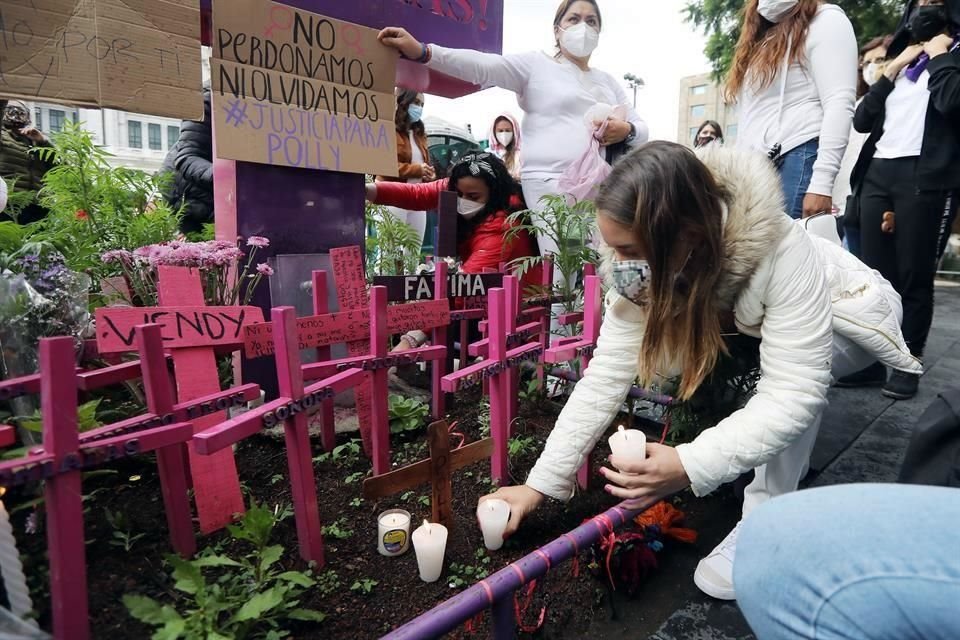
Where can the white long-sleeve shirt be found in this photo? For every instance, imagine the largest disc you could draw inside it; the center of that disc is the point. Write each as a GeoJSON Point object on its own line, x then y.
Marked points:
{"type": "Point", "coordinates": [554, 95]}
{"type": "Point", "coordinates": [818, 99]}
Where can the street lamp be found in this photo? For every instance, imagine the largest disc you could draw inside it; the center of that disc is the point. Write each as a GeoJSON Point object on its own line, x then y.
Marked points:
{"type": "Point", "coordinates": [634, 83]}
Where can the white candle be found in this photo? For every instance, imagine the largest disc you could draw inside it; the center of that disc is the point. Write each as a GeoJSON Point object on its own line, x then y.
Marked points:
{"type": "Point", "coordinates": [14, 582]}
{"type": "Point", "coordinates": [629, 445]}
{"type": "Point", "coordinates": [393, 532]}
{"type": "Point", "coordinates": [430, 543]}
{"type": "Point", "coordinates": [493, 515]}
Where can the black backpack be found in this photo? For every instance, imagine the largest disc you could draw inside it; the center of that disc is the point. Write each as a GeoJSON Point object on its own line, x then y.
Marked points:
{"type": "Point", "coordinates": [933, 456]}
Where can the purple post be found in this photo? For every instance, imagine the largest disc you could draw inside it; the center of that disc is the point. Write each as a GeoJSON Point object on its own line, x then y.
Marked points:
{"type": "Point", "coordinates": [499, 389]}
{"type": "Point", "coordinates": [511, 287]}
{"type": "Point", "coordinates": [380, 429]}
{"type": "Point", "coordinates": [448, 615]}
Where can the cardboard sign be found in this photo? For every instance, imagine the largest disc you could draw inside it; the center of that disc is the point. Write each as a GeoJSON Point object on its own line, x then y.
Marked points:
{"type": "Point", "coordinates": [347, 326]}
{"type": "Point", "coordinates": [133, 55]}
{"type": "Point", "coordinates": [298, 89]}
{"type": "Point", "coordinates": [181, 326]}
{"type": "Point", "coordinates": [459, 285]}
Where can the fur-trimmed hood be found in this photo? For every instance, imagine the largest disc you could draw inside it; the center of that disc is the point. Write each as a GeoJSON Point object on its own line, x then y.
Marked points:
{"type": "Point", "coordinates": [754, 224]}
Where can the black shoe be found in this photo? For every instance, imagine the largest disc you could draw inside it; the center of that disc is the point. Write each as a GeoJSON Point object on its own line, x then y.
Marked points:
{"type": "Point", "coordinates": [902, 386]}
{"type": "Point", "coordinates": [873, 376]}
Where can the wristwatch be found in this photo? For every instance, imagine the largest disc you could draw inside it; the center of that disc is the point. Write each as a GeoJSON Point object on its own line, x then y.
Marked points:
{"type": "Point", "coordinates": [632, 135]}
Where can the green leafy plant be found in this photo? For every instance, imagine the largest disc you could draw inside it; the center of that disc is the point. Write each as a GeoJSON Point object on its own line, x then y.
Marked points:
{"type": "Point", "coordinates": [94, 207]}
{"type": "Point", "coordinates": [364, 585]}
{"type": "Point", "coordinates": [571, 228]}
{"type": "Point", "coordinates": [86, 418]}
{"type": "Point", "coordinates": [123, 535]}
{"type": "Point", "coordinates": [530, 391]}
{"type": "Point", "coordinates": [356, 502]}
{"type": "Point", "coordinates": [17, 201]}
{"type": "Point", "coordinates": [337, 529]}
{"type": "Point", "coordinates": [462, 575]}
{"type": "Point", "coordinates": [393, 246]}
{"type": "Point", "coordinates": [521, 445]}
{"type": "Point", "coordinates": [223, 598]}
{"type": "Point", "coordinates": [423, 501]}
{"type": "Point", "coordinates": [328, 582]}
{"type": "Point", "coordinates": [345, 454]}
{"type": "Point", "coordinates": [354, 477]}
{"type": "Point", "coordinates": [406, 414]}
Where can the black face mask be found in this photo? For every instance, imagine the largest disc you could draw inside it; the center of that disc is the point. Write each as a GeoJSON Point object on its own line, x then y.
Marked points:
{"type": "Point", "coordinates": [927, 22]}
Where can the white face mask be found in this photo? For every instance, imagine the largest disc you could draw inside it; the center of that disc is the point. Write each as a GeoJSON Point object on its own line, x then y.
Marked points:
{"type": "Point", "coordinates": [505, 137]}
{"type": "Point", "coordinates": [872, 72]}
{"type": "Point", "coordinates": [580, 40]}
{"type": "Point", "coordinates": [469, 208]}
{"type": "Point", "coordinates": [775, 10]}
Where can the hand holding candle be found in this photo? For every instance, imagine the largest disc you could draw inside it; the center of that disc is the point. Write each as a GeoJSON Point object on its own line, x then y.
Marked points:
{"type": "Point", "coordinates": [493, 515]}
{"type": "Point", "coordinates": [628, 445]}
{"type": "Point", "coordinates": [430, 543]}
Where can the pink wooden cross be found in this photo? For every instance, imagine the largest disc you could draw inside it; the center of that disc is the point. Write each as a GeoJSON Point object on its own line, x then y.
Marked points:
{"type": "Point", "coordinates": [581, 346]}
{"type": "Point", "coordinates": [377, 362]}
{"type": "Point", "coordinates": [190, 330]}
{"type": "Point", "coordinates": [60, 463]}
{"type": "Point", "coordinates": [328, 432]}
{"type": "Point", "coordinates": [291, 409]}
{"type": "Point", "coordinates": [499, 361]}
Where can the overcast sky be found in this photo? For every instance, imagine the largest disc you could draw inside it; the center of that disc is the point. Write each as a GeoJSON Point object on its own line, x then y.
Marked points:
{"type": "Point", "coordinates": [645, 37]}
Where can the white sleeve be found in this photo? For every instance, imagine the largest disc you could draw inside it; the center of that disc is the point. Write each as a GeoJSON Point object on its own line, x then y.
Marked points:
{"type": "Point", "coordinates": [833, 55]}
{"type": "Point", "coordinates": [3, 194]}
{"type": "Point", "coordinates": [594, 402]}
{"type": "Point", "coordinates": [643, 131]}
{"type": "Point", "coordinates": [510, 72]}
{"type": "Point", "coordinates": [796, 350]}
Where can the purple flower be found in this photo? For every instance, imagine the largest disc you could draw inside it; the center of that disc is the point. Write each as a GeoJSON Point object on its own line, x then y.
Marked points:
{"type": "Point", "coordinates": [264, 269]}
{"type": "Point", "coordinates": [117, 255]}
{"type": "Point", "coordinates": [258, 241]}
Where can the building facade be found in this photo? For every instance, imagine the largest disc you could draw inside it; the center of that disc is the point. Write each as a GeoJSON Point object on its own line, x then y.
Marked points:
{"type": "Point", "coordinates": [702, 99]}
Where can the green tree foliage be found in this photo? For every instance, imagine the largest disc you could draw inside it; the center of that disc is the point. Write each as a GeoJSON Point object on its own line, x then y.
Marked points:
{"type": "Point", "coordinates": [720, 21]}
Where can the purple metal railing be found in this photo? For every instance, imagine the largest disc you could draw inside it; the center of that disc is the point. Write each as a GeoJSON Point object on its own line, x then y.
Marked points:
{"type": "Point", "coordinates": [496, 592]}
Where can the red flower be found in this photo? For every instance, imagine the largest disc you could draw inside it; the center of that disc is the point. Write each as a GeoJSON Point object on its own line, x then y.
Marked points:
{"type": "Point", "coordinates": [81, 214]}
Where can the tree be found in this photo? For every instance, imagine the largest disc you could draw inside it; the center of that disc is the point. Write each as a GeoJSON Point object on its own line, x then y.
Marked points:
{"type": "Point", "coordinates": [720, 21]}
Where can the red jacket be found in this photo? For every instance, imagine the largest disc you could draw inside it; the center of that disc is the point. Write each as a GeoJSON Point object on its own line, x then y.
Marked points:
{"type": "Point", "coordinates": [485, 248]}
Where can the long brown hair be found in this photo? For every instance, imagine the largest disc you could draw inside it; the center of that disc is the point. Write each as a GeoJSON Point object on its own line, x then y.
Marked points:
{"type": "Point", "coordinates": [762, 47]}
{"type": "Point", "coordinates": [405, 98]}
{"type": "Point", "coordinates": [675, 208]}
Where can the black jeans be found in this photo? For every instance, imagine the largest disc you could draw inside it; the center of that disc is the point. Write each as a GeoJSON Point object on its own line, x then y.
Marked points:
{"type": "Point", "coordinates": [908, 257]}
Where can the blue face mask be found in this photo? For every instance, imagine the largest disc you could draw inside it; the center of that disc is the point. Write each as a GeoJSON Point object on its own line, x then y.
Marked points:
{"type": "Point", "coordinates": [415, 112]}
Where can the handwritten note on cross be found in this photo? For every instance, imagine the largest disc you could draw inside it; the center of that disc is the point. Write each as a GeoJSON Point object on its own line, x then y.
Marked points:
{"type": "Point", "coordinates": [60, 463]}
{"type": "Point", "coordinates": [190, 330]}
{"type": "Point", "coordinates": [436, 471]}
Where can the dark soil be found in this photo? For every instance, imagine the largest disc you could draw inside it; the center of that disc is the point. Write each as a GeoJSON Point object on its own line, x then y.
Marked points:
{"type": "Point", "coordinates": [572, 603]}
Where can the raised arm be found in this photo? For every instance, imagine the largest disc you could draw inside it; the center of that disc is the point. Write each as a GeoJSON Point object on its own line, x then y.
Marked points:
{"type": "Point", "coordinates": [510, 72]}
{"type": "Point", "coordinates": [415, 197]}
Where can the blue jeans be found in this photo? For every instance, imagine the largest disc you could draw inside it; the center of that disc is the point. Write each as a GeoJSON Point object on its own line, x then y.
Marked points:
{"type": "Point", "coordinates": [862, 561]}
{"type": "Point", "coordinates": [795, 174]}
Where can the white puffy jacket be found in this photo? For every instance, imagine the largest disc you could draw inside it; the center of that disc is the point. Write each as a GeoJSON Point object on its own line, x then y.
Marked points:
{"type": "Point", "coordinates": [785, 287]}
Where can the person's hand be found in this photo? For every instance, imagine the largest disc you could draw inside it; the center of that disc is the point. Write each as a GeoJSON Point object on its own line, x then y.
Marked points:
{"type": "Point", "coordinates": [429, 175]}
{"type": "Point", "coordinates": [814, 203]}
{"type": "Point", "coordinates": [401, 40]}
{"type": "Point", "coordinates": [523, 500]}
{"type": "Point", "coordinates": [370, 191]}
{"type": "Point", "coordinates": [33, 134]}
{"type": "Point", "coordinates": [898, 64]}
{"type": "Point", "coordinates": [402, 345]}
{"type": "Point", "coordinates": [617, 131]}
{"type": "Point", "coordinates": [651, 480]}
{"type": "Point", "coordinates": [938, 46]}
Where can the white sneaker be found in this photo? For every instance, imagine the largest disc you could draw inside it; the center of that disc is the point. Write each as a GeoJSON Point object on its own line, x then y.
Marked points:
{"type": "Point", "coordinates": [714, 574]}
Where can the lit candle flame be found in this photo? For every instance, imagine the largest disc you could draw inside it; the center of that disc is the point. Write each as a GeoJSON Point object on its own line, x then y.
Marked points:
{"type": "Point", "coordinates": [620, 429]}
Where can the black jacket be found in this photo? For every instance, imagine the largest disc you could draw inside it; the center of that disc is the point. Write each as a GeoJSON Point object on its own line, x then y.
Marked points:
{"type": "Point", "coordinates": [939, 164]}
{"type": "Point", "coordinates": [191, 160]}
